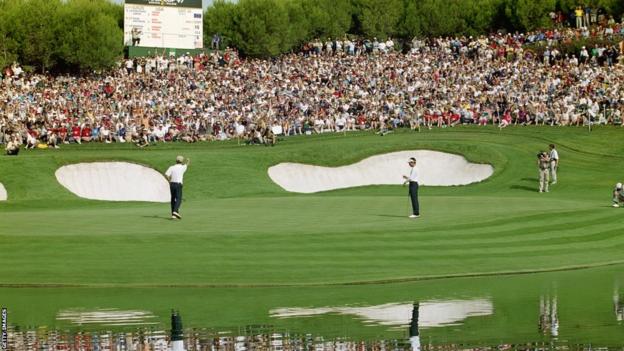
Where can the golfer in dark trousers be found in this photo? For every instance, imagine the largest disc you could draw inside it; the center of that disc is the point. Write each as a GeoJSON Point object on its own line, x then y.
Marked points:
{"type": "Point", "coordinates": [175, 175]}
{"type": "Point", "coordinates": [412, 180]}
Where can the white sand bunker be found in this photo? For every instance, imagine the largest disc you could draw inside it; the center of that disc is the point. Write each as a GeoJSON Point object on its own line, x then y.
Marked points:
{"type": "Point", "coordinates": [434, 168]}
{"type": "Point", "coordinates": [3, 193]}
{"type": "Point", "coordinates": [114, 181]}
{"type": "Point", "coordinates": [431, 313]}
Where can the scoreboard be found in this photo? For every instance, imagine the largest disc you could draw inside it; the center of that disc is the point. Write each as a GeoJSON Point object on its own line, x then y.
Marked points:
{"type": "Point", "coordinates": [164, 23]}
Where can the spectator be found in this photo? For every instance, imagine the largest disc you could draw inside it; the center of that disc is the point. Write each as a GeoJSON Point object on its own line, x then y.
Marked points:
{"type": "Point", "coordinates": [13, 146]}
{"type": "Point", "coordinates": [216, 41]}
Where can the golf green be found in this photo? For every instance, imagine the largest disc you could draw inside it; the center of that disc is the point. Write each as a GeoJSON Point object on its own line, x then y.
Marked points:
{"type": "Point", "coordinates": [240, 229]}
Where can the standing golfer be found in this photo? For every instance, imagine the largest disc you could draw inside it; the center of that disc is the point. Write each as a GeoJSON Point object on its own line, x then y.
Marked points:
{"type": "Point", "coordinates": [175, 175]}
{"type": "Point", "coordinates": [554, 163]}
{"type": "Point", "coordinates": [618, 195]}
{"type": "Point", "coordinates": [412, 180]}
{"type": "Point", "coordinates": [543, 164]}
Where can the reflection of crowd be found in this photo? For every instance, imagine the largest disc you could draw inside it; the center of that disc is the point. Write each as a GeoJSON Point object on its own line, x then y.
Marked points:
{"type": "Point", "coordinates": [335, 86]}
{"type": "Point", "coordinates": [618, 306]}
{"type": "Point", "coordinates": [200, 339]}
{"type": "Point", "coordinates": [549, 316]}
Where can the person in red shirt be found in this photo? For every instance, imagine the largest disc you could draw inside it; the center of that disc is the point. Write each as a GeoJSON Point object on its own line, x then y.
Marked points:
{"type": "Point", "coordinates": [455, 117]}
{"type": "Point", "coordinates": [62, 133]}
{"type": "Point", "coordinates": [86, 133]}
{"type": "Point", "coordinates": [109, 90]}
{"type": "Point", "coordinates": [429, 118]}
{"type": "Point", "coordinates": [438, 117]}
{"type": "Point", "coordinates": [361, 121]}
{"type": "Point", "coordinates": [506, 120]}
{"type": "Point", "coordinates": [76, 133]}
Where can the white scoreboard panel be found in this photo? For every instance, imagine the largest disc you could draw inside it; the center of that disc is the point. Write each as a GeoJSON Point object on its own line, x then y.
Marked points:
{"type": "Point", "coordinates": [163, 26]}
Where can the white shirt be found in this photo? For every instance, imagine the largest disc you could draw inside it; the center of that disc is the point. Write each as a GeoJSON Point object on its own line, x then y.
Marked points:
{"type": "Point", "coordinates": [554, 155]}
{"type": "Point", "coordinates": [415, 341]}
{"type": "Point", "coordinates": [413, 176]}
{"type": "Point", "coordinates": [175, 173]}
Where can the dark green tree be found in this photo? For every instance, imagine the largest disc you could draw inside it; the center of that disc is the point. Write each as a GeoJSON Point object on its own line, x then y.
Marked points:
{"type": "Point", "coordinates": [34, 25]}
{"type": "Point", "coordinates": [8, 42]}
{"type": "Point", "coordinates": [378, 18]}
{"type": "Point", "coordinates": [90, 37]}
{"type": "Point", "coordinates": [221, 18]}
{"type": "Point", "coordinates": [449, 18]}
{"type": "Point", "coordinates": [527, 15]}
{"type": "Point", "coordinates": [328, 18]}
{"type": "Point", "coordinates": [298, 25]}
{"type": "Point", "coordinates": [262, 27]}
{"type": "Point", "coordinates": [478, 16]}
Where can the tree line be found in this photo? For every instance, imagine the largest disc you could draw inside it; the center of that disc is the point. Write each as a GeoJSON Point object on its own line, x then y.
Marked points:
{"type": "Point", "coordinates": [86, 35]}
{"type": "Point", "coordinates": [48, 35]}
{"type": "Point", "coordinates": [263, 28]}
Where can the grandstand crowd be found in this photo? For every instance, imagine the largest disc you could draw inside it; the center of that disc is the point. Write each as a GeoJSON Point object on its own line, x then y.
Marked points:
{"type": "Point", "coordinates": [331, 86]}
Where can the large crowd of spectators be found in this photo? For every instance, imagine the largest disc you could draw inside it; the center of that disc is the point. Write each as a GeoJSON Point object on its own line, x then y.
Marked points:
{"type": "Point", "coordinates": [331, 86]}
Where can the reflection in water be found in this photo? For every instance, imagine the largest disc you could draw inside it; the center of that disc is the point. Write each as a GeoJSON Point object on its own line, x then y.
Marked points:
{"type": "Point", "coordinates": [44, 340]}
{"type": "Point", "coordinates": [203, 340]}
{"type": "Point", "coordinates": [413, 329]}
{"type": "Point", "coordinates": [431, 313]}
{"type": "Point", "coordinates": [109, 317]}
{"type": "Point", "coordinates": [177, 334]}
{"type": "Point", "coordinates": [571, 316]}
{"type": "Point", "coordinates": [618, 305]}
{"type": "Point", "coordinates": [549, 318]}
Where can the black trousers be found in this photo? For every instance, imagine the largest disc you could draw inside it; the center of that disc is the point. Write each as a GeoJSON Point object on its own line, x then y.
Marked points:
{"type": "Point", "coordinates": [176, 196]}
{"type": "Point", "coordinates": [413, 193]}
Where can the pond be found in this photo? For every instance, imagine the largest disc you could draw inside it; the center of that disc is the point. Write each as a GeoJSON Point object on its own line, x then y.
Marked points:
{"type": "Point", "coordinates": [579, 309]}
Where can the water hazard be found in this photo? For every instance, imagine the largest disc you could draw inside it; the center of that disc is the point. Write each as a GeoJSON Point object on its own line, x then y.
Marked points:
{"type": "Point", "coordinates": [581, 309]}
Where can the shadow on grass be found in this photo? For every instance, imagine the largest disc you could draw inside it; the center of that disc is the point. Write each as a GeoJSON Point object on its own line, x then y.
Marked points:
{"type": "Point", "coordinates": [526, 187]}
{"type": "Point", "coordinates": [523, 187]}
{"type": "Point", "coordinates": [391, 216]}
{"type": "Point", "coordinates": [166, 218]}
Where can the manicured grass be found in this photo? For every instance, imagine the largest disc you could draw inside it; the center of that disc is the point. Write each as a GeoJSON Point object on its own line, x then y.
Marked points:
{"type": "Point", "coordinates": [240, 229]}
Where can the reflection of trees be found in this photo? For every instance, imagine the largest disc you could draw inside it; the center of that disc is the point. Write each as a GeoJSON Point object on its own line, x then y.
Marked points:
{"type": "Point", "coordinates": [548, 319]}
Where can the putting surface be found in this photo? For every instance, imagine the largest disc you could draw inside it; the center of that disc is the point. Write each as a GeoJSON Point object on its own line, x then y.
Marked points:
{"type": "Point", "coordinates": [241, 229]}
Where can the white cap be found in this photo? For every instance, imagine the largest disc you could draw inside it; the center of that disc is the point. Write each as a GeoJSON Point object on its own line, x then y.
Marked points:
{"type": "Point", "coordinates": [179, 159]}
{"type": "Point", "coordinates": [618, 186]}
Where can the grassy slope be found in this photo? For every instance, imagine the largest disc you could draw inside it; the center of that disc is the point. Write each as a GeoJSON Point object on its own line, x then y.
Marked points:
{"type": "Point", "coordinates": [240, 228]}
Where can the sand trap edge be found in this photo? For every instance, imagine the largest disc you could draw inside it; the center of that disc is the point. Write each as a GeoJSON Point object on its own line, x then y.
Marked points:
{"type": "Point", "coordinates": [4, 196]}
{"type": "Point", "coordinates": [117, 181]}
{"type": "Point", "coordinates": [435, 168]}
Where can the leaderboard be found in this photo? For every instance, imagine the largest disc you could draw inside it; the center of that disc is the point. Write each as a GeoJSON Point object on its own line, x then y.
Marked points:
{"type": "Point", "coordinates": [163, 23]}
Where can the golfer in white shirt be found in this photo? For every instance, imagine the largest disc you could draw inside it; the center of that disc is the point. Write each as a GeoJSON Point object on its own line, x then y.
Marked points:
{"type": "Point", "coordinates": [412, 180]}
{"type": "Point", "coordinates": [175, 175]}
{"type": "Point", "coordinates": [554, 163]}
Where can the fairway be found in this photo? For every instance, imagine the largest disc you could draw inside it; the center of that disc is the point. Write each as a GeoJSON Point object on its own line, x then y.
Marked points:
{"type": "Point", "coordinates": [241, 229]}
